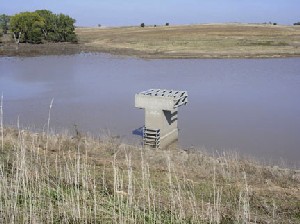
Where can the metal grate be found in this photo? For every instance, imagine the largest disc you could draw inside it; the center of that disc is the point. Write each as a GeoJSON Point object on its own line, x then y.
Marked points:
{"type": "Point", "coordinates": [180, 97]}
{"type": "Point", "coordinates": [151, 137]}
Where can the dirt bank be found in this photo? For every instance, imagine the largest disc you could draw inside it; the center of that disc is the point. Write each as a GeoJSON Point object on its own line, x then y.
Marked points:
{"type": "Point", "coordinates": [29, 50]}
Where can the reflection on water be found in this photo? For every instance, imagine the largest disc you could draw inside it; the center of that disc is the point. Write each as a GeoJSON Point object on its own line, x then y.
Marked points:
{"type": "Point", "coordinates": [247, 105]}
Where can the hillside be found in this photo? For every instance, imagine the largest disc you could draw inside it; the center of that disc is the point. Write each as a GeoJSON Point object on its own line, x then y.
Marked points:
{"type": "Point", "coordinates": [195, 41]}
{"type": "Point", "coordinates": [188, 41]}
{"type": "Point", "coordinates": [51, 178]}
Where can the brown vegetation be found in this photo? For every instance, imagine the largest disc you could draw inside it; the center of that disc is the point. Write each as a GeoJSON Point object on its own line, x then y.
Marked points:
{"type": "Point", "coordinates": [195, 41]}
{"type": "Point", "coordinates": [47, 178]}
{"type": "Point", "coordinates": [190, 41]}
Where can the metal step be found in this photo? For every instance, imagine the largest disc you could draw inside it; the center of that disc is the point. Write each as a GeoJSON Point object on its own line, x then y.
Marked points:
{"type": "Point", "coordinates": [151, 137]}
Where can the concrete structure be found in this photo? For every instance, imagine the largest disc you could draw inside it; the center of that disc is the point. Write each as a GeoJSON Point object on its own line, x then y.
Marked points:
{"type": "Point", "coordinates": [161, 115]}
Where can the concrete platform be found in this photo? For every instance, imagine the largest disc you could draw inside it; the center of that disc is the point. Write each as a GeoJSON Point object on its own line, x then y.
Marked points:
{"type": "Point", "coordinates": [161, 115]}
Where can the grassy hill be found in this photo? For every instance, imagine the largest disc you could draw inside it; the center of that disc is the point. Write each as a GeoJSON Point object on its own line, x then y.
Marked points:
{"type": "Point", "coordinates": [195, 41]}
{"type": "Point", "coordinates": [188, 41]}
{"type": "Point", "coordinates": [79, 179]}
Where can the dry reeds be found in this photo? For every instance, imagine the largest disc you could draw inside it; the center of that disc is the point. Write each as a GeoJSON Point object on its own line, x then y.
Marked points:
{"type": "Point", "coordinates": [88, 181]}
{"type": "Point", "coordinates": [1, 122]}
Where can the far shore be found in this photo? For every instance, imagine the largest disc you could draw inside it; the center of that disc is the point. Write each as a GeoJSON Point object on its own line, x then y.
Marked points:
{"type": "Point", "coordinates": [188, 41]}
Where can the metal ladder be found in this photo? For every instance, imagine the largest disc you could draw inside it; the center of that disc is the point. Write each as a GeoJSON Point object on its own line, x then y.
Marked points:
{"type": "Point", "coordinates": [151, 137]}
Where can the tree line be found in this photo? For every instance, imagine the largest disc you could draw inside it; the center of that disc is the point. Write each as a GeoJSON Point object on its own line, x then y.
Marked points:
{"type": "Point", "coordinates": [39, 26]}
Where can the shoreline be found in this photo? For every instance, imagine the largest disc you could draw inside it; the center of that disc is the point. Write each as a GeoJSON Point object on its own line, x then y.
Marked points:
{"type": "Point", "coordinates": [56, 49]}
{"type": "Point", "coordinates": [207, 41]}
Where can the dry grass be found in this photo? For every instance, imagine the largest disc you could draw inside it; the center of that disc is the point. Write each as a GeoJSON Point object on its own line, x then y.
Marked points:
{"type": "Point", "coordinates": [195, 41]}
{"type": "Point", "coordinates": [189, 41]}
{"type": "Point", "coordinates": [47, 178]}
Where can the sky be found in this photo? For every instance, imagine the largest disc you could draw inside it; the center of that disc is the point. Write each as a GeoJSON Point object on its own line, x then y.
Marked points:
{"type": "Point", "coordinates": [150, 12]}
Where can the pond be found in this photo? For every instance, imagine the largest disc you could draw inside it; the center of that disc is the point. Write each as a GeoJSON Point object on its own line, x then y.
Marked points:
{"type": "Point", "coordinates": [247, 105]}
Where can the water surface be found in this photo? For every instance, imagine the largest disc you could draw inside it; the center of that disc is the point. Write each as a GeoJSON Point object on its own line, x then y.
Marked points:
{"type": "Point", "coordinates": [251, 106]}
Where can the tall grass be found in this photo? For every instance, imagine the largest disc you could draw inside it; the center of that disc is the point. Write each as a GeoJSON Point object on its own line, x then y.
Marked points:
{"type": "Point", "coordinates": [48, 122]}
{"type": "Point", "coordinates": [1, 121]}
{"type": "Point", "coordinates": [60, 179]}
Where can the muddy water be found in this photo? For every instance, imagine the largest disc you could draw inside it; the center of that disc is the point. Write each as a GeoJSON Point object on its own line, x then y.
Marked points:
{"type": "Point", "coordinates": [252, 106]}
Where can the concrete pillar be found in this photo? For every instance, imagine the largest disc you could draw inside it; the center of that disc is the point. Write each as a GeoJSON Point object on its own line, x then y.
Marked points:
{"type": "Point", "coordinates": [161, 115]}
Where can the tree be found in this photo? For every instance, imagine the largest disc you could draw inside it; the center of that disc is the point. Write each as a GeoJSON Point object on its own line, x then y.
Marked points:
{"type": "Point", "coordinates": [27, 27]}
{"type": "Point", "coordinates": [142, 24]}
{"type": "Point", "coordinates": [4, 23]}
{"type": "Point", "coordinates": [43, 25]}
{"type": "Point", "coordinates": [65, 28]}
{"type": "Point", "coordinates": [297, 24]}
{"type": "Point", "coordinates": [58, 28]}
{"type": "Point", "coordinates": [50, 22]}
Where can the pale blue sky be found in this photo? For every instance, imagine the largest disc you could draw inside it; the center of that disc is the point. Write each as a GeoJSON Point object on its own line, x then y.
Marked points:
{"type": "Point", "coordinates": [134, 12]}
